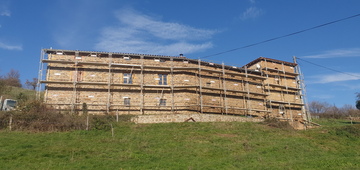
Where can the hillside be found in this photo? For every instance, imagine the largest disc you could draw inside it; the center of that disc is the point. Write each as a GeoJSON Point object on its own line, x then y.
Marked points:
{"type": "Point", "coordinates": [234, 145]}
{"type": "Point", "coordinates": [13, 93]}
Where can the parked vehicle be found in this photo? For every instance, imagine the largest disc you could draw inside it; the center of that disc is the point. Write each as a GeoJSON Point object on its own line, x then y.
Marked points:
{"type": "Point", "coordinates": [7, 104]}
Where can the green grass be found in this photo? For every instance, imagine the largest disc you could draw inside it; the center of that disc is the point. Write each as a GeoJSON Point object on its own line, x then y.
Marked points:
{"type": "Point", "coordinates": [14, 92]}
{"type": "Point", "coordinates": [232, 145]}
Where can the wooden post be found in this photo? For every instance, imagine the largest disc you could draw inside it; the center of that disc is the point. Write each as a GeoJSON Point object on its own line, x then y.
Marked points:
{"type": "Point", "coordinates": [10, 122]}
{"type": "Point", "coordinates": [112, 130]}
{"type": "Point", "coordinates": [87, 121]}
{"type": "Point", "coordinates": [117, 115]}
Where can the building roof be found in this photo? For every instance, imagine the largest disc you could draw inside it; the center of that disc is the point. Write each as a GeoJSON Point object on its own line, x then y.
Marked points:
{"type": "Point", "coordinates": [114, 53]}
{"type": "Point", "coordinates": [271, 60]}
{"type": "Point", "coordinates": [54, 51]}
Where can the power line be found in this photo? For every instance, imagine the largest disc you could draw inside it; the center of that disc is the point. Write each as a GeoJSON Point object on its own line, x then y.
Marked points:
{"type": "Point", "coordinates": [283, 36]}
{"type": "Point", "coordinates": [328, 68]}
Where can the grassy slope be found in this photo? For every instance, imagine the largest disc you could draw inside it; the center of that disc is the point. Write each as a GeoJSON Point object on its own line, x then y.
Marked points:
{"type": "Point", "coordinates": [185, 146]}
{"type": "Point", "coordinates": [15, 91]}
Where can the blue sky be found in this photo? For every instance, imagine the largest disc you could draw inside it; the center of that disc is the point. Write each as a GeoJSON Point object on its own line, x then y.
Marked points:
{"type": "Point", "coordinates": [196, 29]}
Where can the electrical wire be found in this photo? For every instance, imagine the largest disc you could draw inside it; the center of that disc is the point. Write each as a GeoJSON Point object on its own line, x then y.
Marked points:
{"type": "Point", "coordinates": [328, 68]}
{"type": "Point", "coordinates": [283, 36]}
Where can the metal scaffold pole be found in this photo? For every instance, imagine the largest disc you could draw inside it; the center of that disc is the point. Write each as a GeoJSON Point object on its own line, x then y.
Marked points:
{"type": "Point", "coordinates": [172, 85]}
{"type": "Point", "coordinates": [108, 102]}
{"type": "Point", "coordinates": [200, 87]}
{"type": "Point", "coordinates": [301, 83]}
{"type": "Point", "coordinates": [248, 105]}
{"type": "Point", "coordinates": [40, 75]}
{"type": "Point", "coordinates": [224, 88]}
{"type": "Point", "coordinates": [142, 85]}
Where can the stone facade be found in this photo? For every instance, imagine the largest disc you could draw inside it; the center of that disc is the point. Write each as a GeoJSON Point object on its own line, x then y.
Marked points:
{"type": "Point", "coordinates": [138, 84]}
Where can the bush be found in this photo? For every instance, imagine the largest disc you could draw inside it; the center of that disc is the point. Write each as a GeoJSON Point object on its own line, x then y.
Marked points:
{"type": "Point", "coordinates": [36, 116]}
{"type": "Point", "coordinates": [102, 122]}
{"type": "Point", "coordinates": [273, 122]}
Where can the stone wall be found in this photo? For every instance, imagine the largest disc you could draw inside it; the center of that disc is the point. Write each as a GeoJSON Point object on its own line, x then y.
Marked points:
{"type": "Point", "coordinates": [167, 118]}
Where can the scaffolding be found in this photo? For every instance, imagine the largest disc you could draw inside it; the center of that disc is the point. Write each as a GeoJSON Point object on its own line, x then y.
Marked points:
{"type": "Point", "coordinates": [195, 86]}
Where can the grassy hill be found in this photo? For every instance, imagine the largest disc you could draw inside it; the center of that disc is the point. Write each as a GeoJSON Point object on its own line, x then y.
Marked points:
{"type": "Point", "coordinates": [14, 92]}
{"type": "Point", "coordinates": [232, 145]}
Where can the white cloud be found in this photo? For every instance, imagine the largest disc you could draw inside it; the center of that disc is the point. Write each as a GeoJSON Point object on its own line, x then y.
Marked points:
{"type": "Point", "coordinates": [10, 47]}
{"type": "Point", "coordinates": [139, 33]}
{"type": "Point", "coordinates": [337, 53]}
{"type": "Point", "coordinates": [252, 1]}
{"type": "Point", "coordinates": [323, 96]}
{"type": "Point", "coordinates": [4, 11]}
{"type": "Point", "coordinates": [75, 29]}
{"type": "Point", "coordinates": [339, 77]}
{"type": "Point", "coordinates": [352, 86]}
{"type": "Point", "coordinates": [252, 12]}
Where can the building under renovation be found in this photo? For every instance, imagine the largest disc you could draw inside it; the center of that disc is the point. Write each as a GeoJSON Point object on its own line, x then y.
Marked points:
{"type": "Point", "coordinates": [122, 83]}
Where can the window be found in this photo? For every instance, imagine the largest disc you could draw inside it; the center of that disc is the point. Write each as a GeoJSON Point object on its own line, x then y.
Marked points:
{"type": "Point", "coordinates": [162, 79]}
{"type": "Point", "coordinates": [277, 79]}
{"type": "Point", "coordinates": [281, 109]}
{"type": "Point", "coordinates": [127, 78]}
{"type": "Point", "coordinates": [162, 102]}
{"type": "Point", "coordinates": [127, 101]}
{"type": "Point", "coordinates": [78, 76]}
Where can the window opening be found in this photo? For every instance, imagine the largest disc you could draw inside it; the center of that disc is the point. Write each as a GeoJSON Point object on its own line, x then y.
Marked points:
{"type": "Point", "coordinates": [127, 78]}
{"type": "Point", "coordinates": [78, 57]}
{"type": "Point", "coordinates": [282, 110]}
{"type": "Point", "coordinates": [277, 79]}
{"type": "Point", "coordinates": [127, 101]}
{"type": "Point", "coordinates": [162, 102]}
{"type": "Point", "coordinates": [162, 79]}
{"type": "Point", "coordinates": [79, 76]}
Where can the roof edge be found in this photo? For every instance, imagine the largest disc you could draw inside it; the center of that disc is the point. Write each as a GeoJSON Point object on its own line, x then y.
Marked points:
{"type": "Point", "coordinates": [269, 59]}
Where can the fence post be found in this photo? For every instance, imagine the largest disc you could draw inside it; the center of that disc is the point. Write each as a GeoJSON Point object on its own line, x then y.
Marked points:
{"type": "Point", "coordinates": [117, 115]}
{"type": "Point", "coordinates": [87, 122]}
{"type": "Point", "coordinates": [112, 130]}
{"type": "Point", "coordinates": [10, 121]}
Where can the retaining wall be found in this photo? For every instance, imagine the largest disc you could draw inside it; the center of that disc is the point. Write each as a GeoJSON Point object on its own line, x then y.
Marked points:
{"type": "Point", "coordinates": [191, 118]}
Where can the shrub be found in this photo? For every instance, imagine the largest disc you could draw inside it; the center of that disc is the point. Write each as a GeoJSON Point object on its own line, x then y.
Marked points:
{"type": "Point", "coordinates": [273, 122]}
{"type": "Point", "coordinates": [102, 122]}
{"type": "Point", "coordinates": [36, 116]}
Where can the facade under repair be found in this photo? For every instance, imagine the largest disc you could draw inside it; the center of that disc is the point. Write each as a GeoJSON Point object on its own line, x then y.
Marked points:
{"type": "Point", "coordinates": [122, 83]}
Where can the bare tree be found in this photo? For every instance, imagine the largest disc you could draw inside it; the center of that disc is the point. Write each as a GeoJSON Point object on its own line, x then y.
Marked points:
{"type": "Point", "coordinates": [318, 107]}
{"type": "Point", "coordinates": [12, 78]}
{"type": "Point", "coordinates": [349, 110]}
{"type": "Point", "coordinates": [31, 84]}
